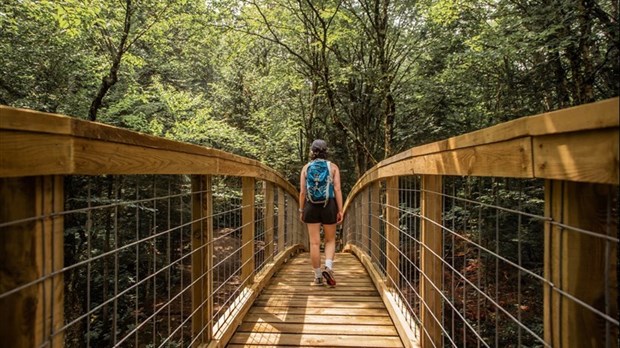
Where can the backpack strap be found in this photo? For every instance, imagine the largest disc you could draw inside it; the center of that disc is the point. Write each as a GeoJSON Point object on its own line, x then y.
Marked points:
{"type": "Point", "coordinates": [329, 183]}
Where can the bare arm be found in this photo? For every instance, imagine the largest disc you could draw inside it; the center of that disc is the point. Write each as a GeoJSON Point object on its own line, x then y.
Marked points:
{"type": "Point", "coordinates": [302, 191]}
{"type": "Point", "coordinates": [338, 193]}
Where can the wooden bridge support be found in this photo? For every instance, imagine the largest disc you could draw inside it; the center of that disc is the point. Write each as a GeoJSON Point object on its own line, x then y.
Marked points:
{"type": "Point", "coordinates": [281, 214]}
{"type": "Point", "coordinates": [31, 251]}
{"type": "Point", "coordinates": [364, 222]}
{"type": "Point", "coordinates": [392, 232]}
{"type": "Point", "coordinates": [430, 260]}
{"type": "Point", "coordinates": [580, 265]}
{"type": "Point", "coordinates": [202, 258]}
{"type": "Point", "coordinates": [269, 226]}
{"type": "Point", "coordinates": [248, 229]}
{"type": "Point", "coordinates": [375, 212]}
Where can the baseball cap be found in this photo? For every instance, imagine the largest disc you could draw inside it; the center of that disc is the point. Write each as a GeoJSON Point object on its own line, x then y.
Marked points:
{"type": "Point", "coordinates": [318, 145]}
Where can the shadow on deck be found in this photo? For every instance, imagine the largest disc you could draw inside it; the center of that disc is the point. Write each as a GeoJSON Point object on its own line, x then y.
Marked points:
{"type": "Point", "coordinates": [291, 312]}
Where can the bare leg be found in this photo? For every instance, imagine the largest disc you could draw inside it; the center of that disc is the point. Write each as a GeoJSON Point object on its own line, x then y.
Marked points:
{"type": "Point", "coordinates": [330, 241]}
{"type": "Point", "coordinates": [314, 232]}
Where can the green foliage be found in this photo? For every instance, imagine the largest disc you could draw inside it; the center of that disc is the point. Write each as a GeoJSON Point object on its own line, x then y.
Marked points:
{"type": "Point", "coordinates": [264, 78]}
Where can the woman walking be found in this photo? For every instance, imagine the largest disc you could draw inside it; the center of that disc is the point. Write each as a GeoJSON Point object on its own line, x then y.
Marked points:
{"type": "Point", "coordinates": [320, 203]}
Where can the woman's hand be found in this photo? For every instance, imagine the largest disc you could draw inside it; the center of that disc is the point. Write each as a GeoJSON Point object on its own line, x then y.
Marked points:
{"type": "Point", "coordinates": [339, 217]}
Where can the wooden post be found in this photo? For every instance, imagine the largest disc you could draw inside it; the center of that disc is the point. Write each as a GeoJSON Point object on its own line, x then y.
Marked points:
{"type": "Point", "coordinates": [290, 213]}
{"type": "Point", "coordinates": [202, 258]}
{"type": "Point", "coordinates": [364, 222]}
{"type": "Point", "coordinates": [582, 265]}
{"type": "Point", "coordinates": [392, 231]}
{"type": "Point", "coordinates": [375, 212]}
{"type": "Point", "coordinates": [247, 231]}
{"type": "Point", "coordinates": [281, 212]}
{"type": "Point", "coordinates": [269, 213]}
{"type": "Point", "coordinates": [430, 260]}
{"type": "Point", "coordinates": [297, 223]}
{"type": "Point", "coordinates": [29, 251]}
{"type": "Point", "coordinates": [358, 218]}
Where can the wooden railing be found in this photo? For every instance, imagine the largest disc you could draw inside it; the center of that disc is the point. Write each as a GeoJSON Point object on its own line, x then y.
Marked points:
{"type": "Point", "coordinates": [435, 226]}
{"type": "Point", "coordinates": [180, 204]}
{"type": "Point", "coordinates": [526, 208]}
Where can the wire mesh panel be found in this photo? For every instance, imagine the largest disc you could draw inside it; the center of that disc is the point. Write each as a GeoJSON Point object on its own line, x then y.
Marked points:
{"type": "Point", "coordinates": [260, 235]}
{"type": "Point", "coordinates": [133, 267]}
{"type": "Point", "coordinates": [409, 247]}
{"type": "Point", "coordinates": [127, 260]}
{"type": "Point", "coordinates": [493, 262]}
{"type": "Point", "coordinates": [227, 244]}
{"type": "Point", "coordinates": [381, 240]}
{"type": "Point", "coordinates": [497, 262]}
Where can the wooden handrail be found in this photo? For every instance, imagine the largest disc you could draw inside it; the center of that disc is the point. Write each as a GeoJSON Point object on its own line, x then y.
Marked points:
{"type": "Point", "coordinates": [576, 151]}
{"type": "Point", "coordinates": [38, 143]}
{"type": "Point", "coordinates": [528, 147]}
{"type": "Point", "coordinates": [38, 149]}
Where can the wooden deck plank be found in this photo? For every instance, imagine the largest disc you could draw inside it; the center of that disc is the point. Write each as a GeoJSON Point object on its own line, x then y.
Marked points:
{"type": "Point", "coordinates": [321, 297]}
{"type": "Point", "coordinates": [316, 340]}
{"type": "Point", "coordinates": [318, 319]}
{"type": "Point", "coordinates": [379, 330]}
{"type": "Point", "coordinates": [308, 287]}
{"type": "Point", "coordinates": [320, 311]}
{"type": "Point", "coordinates": [304, 281]}
{"type": "Point", "coordinates": [291, 312]}
{"type": "Point", "coordinates": [319, 304]}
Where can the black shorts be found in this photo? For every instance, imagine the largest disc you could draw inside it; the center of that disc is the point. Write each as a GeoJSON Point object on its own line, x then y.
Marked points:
{"type": "Point", "coordinates": [321, 213]}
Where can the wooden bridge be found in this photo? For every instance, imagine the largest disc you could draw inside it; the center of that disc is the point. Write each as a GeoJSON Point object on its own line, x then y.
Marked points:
{"type": "Point", "coordinates": [503, 237]}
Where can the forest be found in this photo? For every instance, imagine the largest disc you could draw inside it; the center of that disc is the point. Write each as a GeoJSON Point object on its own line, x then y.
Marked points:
{"type": "Point", "coordinates": [264, 78]}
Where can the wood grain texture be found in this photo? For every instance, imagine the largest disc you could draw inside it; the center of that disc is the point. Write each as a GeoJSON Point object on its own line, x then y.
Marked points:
{"type": "Point", "coordinates": [37, 143]}
{"type": "Point", "coordinates": [506, 149]}
{"type": "Point", "coordinates": [406, 329]}
{"type": "Point", "coordinates": [248, 217]}
{"type": "Point", "coordinates": [268, 191]}
{"type": "Point", "coordinates": [292, 312]}
{"type": "Point", "coordinates": [281, 220]}
{"type": "Point", "coordinates": [392, 232]}
{"type": "Point", "coordinates": [202, 258]}
{"type": "Point", "coordinates": [431, 237]}
{"type": "Point", "coordinates": [584, 157]}
{"type": "Point", "coordinates": [577, 263]}
{"type": "Point", "coordinates": [26, 154]}
{"type": "Point", "coordinates": [226, 326]}
{"type": "Point", "coordinates": [365, 226]}
{"type": "Point", "coordinates": [375, 213]}
{"type": "Point", "coordinates": [29, 252]}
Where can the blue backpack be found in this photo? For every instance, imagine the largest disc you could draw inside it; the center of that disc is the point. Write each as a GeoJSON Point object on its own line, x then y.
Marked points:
{"type": "Point", "coordinates": [319, 184]}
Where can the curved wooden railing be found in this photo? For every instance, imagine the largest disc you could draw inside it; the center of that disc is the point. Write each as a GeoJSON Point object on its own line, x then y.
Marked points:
{"type": "Point", "coordinates": [413, 220]}
{"type": "Point", "coordinates": [44, 158]}
{"type": "Point", "coordinates": [439, 238]}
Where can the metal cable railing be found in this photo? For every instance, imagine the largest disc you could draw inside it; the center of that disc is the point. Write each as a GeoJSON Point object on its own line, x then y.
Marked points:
{"type": "Point", "coordinates": [132, 256]}
{"type": "Point", "coordinates": [502, 237]}
{"type": "Point", "coordinates": [528, 258]}
{"type": "Point", "coordinates": [492, 259]}
{"type": "Point", "coordinates": [132, 271]}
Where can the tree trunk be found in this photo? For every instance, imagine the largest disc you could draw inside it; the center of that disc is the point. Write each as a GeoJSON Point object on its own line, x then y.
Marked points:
{"type": "Point", "coordinates": [110, 80]}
